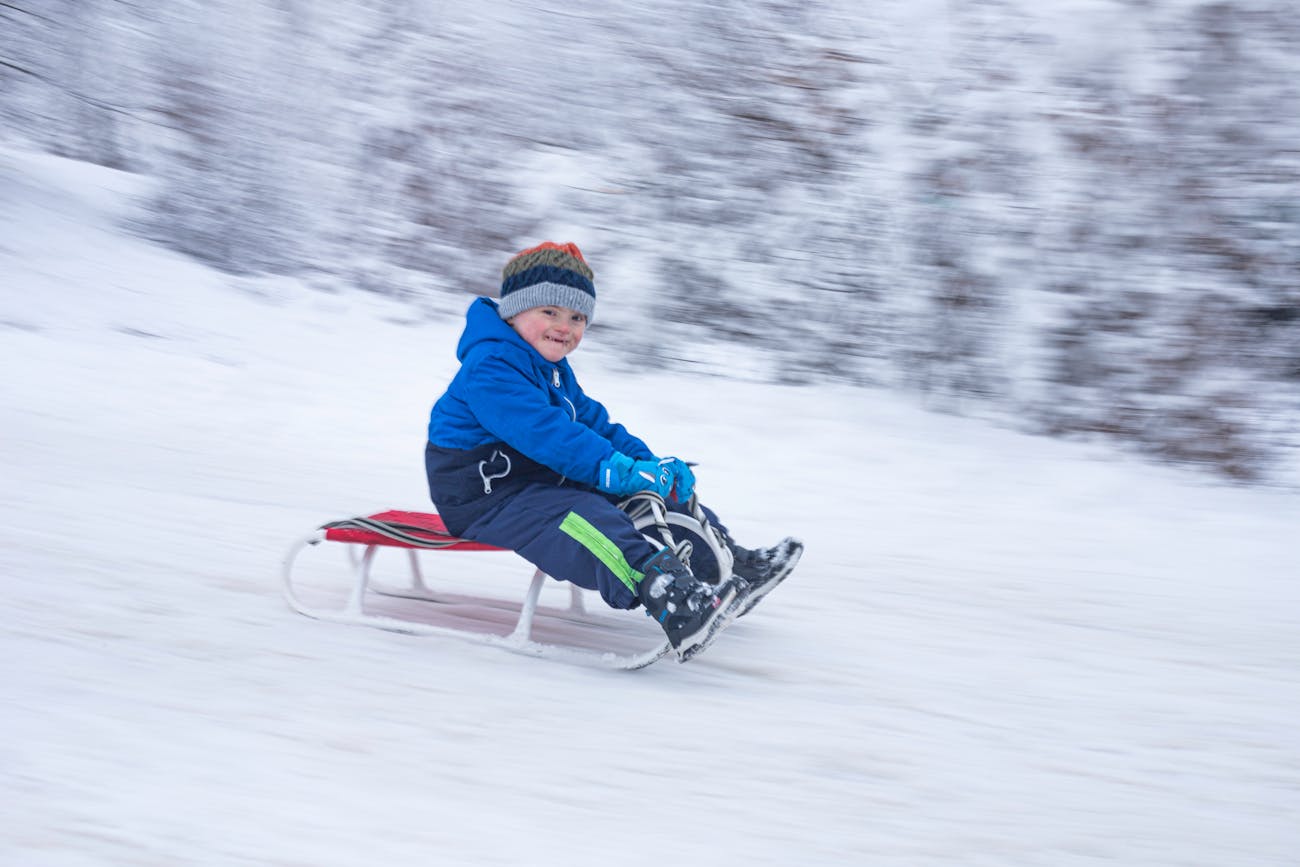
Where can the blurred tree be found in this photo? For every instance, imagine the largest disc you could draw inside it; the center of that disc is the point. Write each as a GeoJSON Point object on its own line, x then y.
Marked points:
{"type": "Point", "coordinates": [963, 216]}
{"type": "Point", "coordinates": [760, 187]}
{"type": "Point", "coordinates": [68, 76]}
{"type": "Point", "coordinates": [232, 187]}
{"type": "Point", "coordinates": [1177, 306]}
{"type": "Point", "coordinates": [429, 158]}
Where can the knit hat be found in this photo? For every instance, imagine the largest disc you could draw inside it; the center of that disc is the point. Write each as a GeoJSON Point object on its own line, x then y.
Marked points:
{"type": "Point", "coordinates": [547, 275]}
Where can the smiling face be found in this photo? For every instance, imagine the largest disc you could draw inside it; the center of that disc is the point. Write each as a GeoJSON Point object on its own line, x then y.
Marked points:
{"type": "Point", "coordinates": [553, 331]}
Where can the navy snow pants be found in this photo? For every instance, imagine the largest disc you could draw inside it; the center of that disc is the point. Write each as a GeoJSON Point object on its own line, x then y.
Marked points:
{"type": "Point", "coordinates": [572, 534]}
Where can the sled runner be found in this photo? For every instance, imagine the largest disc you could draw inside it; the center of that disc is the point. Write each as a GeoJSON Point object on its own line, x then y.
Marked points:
{"type": "Point", "coordinates": [691, 537]}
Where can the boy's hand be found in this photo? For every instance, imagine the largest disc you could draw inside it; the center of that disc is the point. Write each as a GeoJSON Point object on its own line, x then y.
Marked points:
{"type": "Point", "coordinates": [683, 479]}
{"type": "Point", "coordinates": [621, 475]}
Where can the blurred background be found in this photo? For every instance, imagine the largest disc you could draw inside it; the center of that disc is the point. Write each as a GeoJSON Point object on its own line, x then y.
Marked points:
{"type": "Point", "coordinates": [1079, 218]}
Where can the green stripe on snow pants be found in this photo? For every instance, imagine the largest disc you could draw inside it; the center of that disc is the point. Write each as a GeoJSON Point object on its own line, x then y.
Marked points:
{"type": "Point", "coordinates": [570, 534]}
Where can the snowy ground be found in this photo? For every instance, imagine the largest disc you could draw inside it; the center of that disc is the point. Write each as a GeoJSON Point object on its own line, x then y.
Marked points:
{"type": "Point", "coordinates": [998, 650]}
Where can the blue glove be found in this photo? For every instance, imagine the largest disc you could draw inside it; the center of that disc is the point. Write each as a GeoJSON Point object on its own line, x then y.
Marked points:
{"type": "Point", "coordinates": [622, 476]}
{"type": "Point", "coordinates": [683, 479]}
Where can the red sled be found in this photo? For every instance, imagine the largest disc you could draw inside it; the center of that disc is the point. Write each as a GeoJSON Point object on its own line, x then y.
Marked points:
{"type": "Point", "coordinates": [575, 634]}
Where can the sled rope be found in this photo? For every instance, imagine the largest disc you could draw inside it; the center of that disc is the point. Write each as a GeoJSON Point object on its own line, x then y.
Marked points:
{"type": "Point", "coordinates": [649, 504]}
{"type": "Point", "coordinates": [404, 533]}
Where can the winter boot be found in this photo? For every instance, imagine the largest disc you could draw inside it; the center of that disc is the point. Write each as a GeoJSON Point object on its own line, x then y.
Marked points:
{"type": "Point", "coordinates": [765, 568]}
{"type": "Point", "coordinates": [691, 612]}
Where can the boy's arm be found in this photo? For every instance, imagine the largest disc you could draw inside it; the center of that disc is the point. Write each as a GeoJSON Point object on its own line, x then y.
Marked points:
{"type": "Point", "coordinates": [593, 414]}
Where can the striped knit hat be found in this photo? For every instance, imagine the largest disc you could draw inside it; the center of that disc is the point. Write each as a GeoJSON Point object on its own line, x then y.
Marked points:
{"type": "Point", "coordinates": [547, 275]}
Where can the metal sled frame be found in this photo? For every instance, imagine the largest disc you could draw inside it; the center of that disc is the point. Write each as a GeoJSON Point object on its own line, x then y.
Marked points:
{"type": "Point", "coordinates": [416, 532]}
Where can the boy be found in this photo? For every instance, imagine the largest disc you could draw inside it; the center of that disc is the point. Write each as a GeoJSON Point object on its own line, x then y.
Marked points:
{"type": "Point", "coordinates": [520, 457]}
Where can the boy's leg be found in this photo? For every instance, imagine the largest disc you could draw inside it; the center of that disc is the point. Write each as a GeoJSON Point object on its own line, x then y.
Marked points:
{"type": "Point", "coordinates": [583, 537]}
{"type": "Point", "coordinates": [572, 535]}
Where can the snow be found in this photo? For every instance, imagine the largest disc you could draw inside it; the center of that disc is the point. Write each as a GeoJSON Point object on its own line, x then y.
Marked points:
{"type": "Point", "coordinates": [997, 650]}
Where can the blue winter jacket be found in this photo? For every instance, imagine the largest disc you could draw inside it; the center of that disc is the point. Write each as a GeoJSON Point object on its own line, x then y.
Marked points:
{"type": "Point", "coordinates": [510, 417]}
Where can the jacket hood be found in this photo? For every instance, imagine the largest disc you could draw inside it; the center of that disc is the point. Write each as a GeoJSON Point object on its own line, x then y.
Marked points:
{"type": "Point", "coordinates": [483, 324]}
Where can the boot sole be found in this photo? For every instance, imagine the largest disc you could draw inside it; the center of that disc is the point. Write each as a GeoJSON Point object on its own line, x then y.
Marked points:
{"type": "Point", "coordinates": [753, 598]}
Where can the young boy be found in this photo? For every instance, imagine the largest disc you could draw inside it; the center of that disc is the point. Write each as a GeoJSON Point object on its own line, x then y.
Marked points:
{"type": "Point", "coordinates": [519, 457]}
